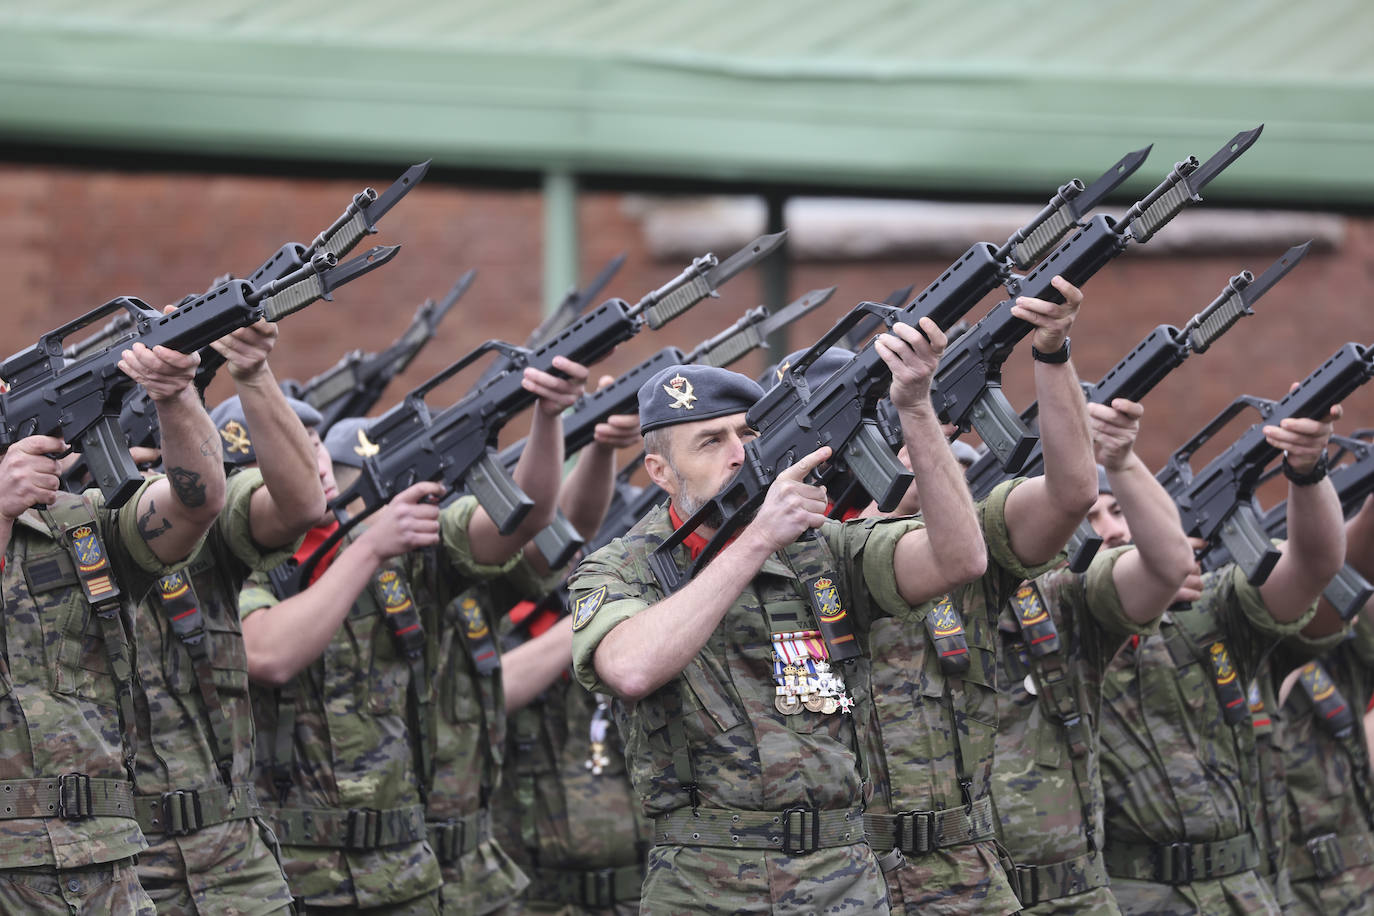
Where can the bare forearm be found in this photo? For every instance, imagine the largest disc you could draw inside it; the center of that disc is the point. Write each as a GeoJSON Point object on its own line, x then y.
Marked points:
{"type": "Point", "coordinates": [1148, 578]}
{"type": "Point", "coordinates": [283, 639]}
{"type": "Point", "coordinates": [1315, 551]}
{"type": "Point", "coordinates": [538, 474]}
{"type": "Point", "coordinates": [649, 649]}
{"type": "Point", "coordinates": [1070, 472]}
{"type": "Point", "coordinates": [528, 670]}
{"type": "Point", "coordinates": [587, 491]}
{"type": "Point", "coordinates": [1359, 540]}
{"type": "Point", "coordinates": [192, 457]}
{"type": "Point", "coordinates": [953, 535]}
{"type": "Point", "coordinates": [291, 499]}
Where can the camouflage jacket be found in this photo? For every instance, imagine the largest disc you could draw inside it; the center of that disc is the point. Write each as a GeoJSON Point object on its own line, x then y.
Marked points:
{"type": "Point", "coordinates": [720, 715]}
{"type": "Point", "coordinates": [1328, 807]}
{"type": "Point", "coordinates": [353, 747]}
{"type": "Point", "coordinates": [1173, 771]}
{"type": "Point", "coordinates": [59, 706]}
{"type": "Point", "coordinates": [1049, 805]}
{"type": "Point", "coordinates": [468, 711]}
{"type": "Point", "coordinates": [927, 723]}
{"type": "Point", "coordinates": [226, 866]}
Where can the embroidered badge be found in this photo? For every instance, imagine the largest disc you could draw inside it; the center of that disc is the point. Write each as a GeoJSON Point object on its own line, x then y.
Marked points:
{"type": "Point", "coordinates": [89, 556]}
{"type": "Point", "coordinates": [1221, 664]}
{"type": "Point", "coordinates": [828, 605]}
{"type": "Point", "coordinates": [395, 596]}
{"type": "Point", "coordinates": [585, 608]}
{"type": "Point", "coordinates": [1029, 606]}
{"type": "Point", "coordinates": [476, 622]}
{"type": "Point", "coordinates": [680, 390]}
{"type": "Point", "coordinates": [365, 448]}
{"type": "Point", "coordinates": [235, 438]}
{"type": "Point", "coordinates": [173, 586]}
{"type": "Point", "coordinates": [945, 621]}
{"type": "Point", "coordinates": [1319, 686]}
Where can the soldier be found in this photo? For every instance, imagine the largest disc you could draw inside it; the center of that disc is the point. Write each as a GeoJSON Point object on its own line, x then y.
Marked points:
{"type": "Point", "coordinates": [1178, 764]}
{"type": "Point", "coordinates": [931, 818]}
{"type": "Point", "coordinates": [342, 681]}
{"type": "Point", "coordinates": [72, 568]}
{"type": "Point", "coordinates": [1330, 799]}
{"type": "Point", "coordinates": [757, 793]}
{"type": "Point", "coordinates": [1059, 632]}
{"type": "Point", "coordinates": [194, 771]}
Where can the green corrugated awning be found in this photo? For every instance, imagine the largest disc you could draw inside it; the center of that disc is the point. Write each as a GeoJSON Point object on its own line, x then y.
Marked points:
{"type": "Point", "coordinates": [1000, 98]}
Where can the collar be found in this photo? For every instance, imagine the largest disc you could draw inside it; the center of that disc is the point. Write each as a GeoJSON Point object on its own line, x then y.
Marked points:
{"type": "Point", "coordinates": [311, 542]}
{"type": "Point", "coordinates": [694, 542]}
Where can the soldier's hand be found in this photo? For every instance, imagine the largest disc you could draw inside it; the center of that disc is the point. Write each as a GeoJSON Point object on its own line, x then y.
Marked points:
{"type": "Point", "coordinates": [556, 394]}
{"type": "Point", "coordinates": [410, 521]}
{"type": "Point", "coordinates": [1191, 589]}
{"type": "Point", "coordinates": [1052, 320]}
{"type": "Point", "coordinates": [245, 351]}
{"type": "Point", "coordinates": [166, 374]}
{"type": "Point", "coordinates": [1302, 440]}
{"type": "Point", "coordinates": [913, 356]}
{"type": "Point", "coordinates": [791, 505]}
{"type": "Point", "coordinates": [619, 430]}
{"type": "Point", "coordinates": [29, 476]}
{"type": "Point", "coordinates": [1114, 430]}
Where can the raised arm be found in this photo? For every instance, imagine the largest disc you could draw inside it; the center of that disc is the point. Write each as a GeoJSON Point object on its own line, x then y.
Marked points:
{"type": "Point", "coordinates": [949, 550]}
{"type": "Point", "coordinates": [1043, 512]}
{"type": "Point", "coordinates": [176, 510]}
{"type": "Point", "coordinates": [284, 638]}
{"type": "Point", "coordinates": [291, 499]}
{"type": "Point", "coordinates": [1147, 578]}
{"type": "Point", "coordinates": [1315, 550]}
{"type": "Point", "coordinates": [28, 477]}
{"type": "Point", "coordinates": [540, 469]}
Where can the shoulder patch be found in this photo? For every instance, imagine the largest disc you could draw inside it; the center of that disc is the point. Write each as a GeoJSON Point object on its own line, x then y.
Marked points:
{"type": "Point", "coordinates": [586, 607]}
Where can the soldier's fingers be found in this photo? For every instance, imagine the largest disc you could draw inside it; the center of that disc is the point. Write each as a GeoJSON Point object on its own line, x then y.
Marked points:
{"type": "Point", "coordinates": [806, 464]}
{"type": "Point", "coordinates": [605, 381]}
{"type": "Point", "coordinates": [913, 337]}
{"type": "Point", "coordinates": [1132, 409]}
{"type": "Point", "coordinates": [425, 489]}
{"type": "Point", "coordinates": [573, 370]}
{"type": "Point", "coordinates": [176, 360]}
{"type": "Point", "coordinates": [1073, 296]}
{"type": "Point", "coordinates": [40, 445]}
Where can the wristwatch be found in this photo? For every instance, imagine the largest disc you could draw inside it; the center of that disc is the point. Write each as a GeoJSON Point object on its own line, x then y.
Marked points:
{"type": "Point", "coordinates": [1314, 476]}
{"type": "Point", "coordinates": [1058, 356]}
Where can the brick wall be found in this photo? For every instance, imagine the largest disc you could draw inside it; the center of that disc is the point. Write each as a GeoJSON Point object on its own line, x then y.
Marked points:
{"type": "Point", "coordinates": [72, 239]}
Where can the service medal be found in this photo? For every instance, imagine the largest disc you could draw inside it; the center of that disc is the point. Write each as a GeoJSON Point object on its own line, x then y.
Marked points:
{"type": "Point", "coordinates": [787, 705]}
{"type": "Point", "coordinates": [1029, 684]}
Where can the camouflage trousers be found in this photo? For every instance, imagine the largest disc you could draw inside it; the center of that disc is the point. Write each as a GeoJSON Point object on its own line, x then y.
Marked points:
{"type": "Point", "coordinates": [227, 869]}
{"type": "Point", "coordinates": [1097, 902]}
{"type": "Point", "coordinates": [480, 882]}
{"type": "Point", "coordinates": [108, 889]}
{"type": "Point", "coordinates": [423, 905]}
{"type": "Point", "coordinates": [1242, 894]}
{"type": "Point", "coordinates": [1346, 894]}
{"type": "Point", "coordinates": [629, 908]}
{"type": "Point", "coordinates": [695, 879]}
{"type": "Point", "coordinates": [963, 880]}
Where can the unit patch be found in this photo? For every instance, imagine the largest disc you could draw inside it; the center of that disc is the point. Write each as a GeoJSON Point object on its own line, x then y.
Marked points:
{"type": "Point", "coordinates": [235, 438]}
{"type": "Point", "coordinates": [395, 595]}
{"type": "Point", "coordinates": [585, 608]}
{"type": "Point", "coordinates": [476, 622]}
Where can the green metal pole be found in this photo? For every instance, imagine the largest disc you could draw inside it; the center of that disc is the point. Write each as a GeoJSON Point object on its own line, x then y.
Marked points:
{"type": "Point", "coordinates": [775, 274]}
{"type": "Point", "coordinates": [560, 237]}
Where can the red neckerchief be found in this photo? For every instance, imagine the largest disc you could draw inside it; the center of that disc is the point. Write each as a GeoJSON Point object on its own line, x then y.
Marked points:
{"type": "Point", "coordinates": [313, 539]}
{"type": "Point", "coordinates": [539, 624]}
{"type": "Point", "coordinates": [694, 542]}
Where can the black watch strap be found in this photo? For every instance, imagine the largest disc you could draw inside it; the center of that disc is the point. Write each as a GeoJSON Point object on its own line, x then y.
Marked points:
{"type": "Point", "coordinates": [1058, 356]}
{"type": "Point", "coordinates": [1314, 476]}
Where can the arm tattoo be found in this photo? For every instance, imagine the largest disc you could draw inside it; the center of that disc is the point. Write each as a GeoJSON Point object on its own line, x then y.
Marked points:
{"type": "Point", "coordinates": [145, 524]}
{"type": "Point", "coordinates": [187, 486]}
{"type": "Point", "coordinates": [210, 446]}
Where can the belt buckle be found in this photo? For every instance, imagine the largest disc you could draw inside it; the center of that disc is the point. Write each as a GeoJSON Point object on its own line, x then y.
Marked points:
{"type": "Point", "coordinates": [1326, 855]}
{"type": "Point", "coordinates": [598, 888]}
{"type": "Point", "coordinates": [800, 831]}
{"type": "Point", "coordinates": [181, 812]}
{"type": "Point", "coordinates": [364, 828]}
{"type": "Point", "coordinates": [451, 833]}
{"type": "Point", "coordinates": [1178, 869]}
{"type": "Point", "coordinates": [922, 831]}
{"type": "Point", "coordinates": [74, 796]}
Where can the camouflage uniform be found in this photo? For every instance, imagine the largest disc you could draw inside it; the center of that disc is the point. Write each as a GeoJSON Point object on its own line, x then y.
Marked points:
{"type": "Point", "coordinates": [340, 784]}
{"type": "Point", "coordinates": [1270, 813]}
{"type": "Point", "coordinates": [1046, 784]}
{"type": "Point", "coordinates": [736, 788]}
{"type": "Point", "coordinates": [67, 827]}
{"type": "Point", "coordinates": [932, 755]}
{"type": "Point", "coordinates": [1331, 811]}
{"type": "Point", "coordinates": [469, 732]}
{"type": "Point", "coordinates": [1179, 781]}
{"type": "Point", "coordinates": [578, 832]}
{"type": "Point", "coordinates": [195, 755]}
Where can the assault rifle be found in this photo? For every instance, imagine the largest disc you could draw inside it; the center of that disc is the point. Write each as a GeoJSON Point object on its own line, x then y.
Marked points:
{"type": "Point", "coordinates": [80, 400]}
{"type": "Point", "coordinates": [1147, 364]}
{"type": "Point", "coordinates": [558, 542]}
{"type": "Point", "coordinates": [354, 385]}
{"type": "Point", "coordinates": [967, 389]}
{"type": "Point", "coordinates": [793, 420]}
{"type": "Point", "coordinates": [456, 446]}
{"type": "Point", "coordinates": [1163, 349]}
{"type": "Point", "coordinates": [1354, 482]}
{"type": "Point", "coordinates": [1217, 503]}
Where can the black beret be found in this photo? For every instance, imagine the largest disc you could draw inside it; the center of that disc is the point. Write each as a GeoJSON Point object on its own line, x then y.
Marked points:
{"type": "Point", "coordinates": [347, 442]}
{"type": "Point", "coordinates": [684, 394]}
{"type": "Point", "coordinates": [232, 426]}
{"type": "Point", "coordinates": [826, 365]}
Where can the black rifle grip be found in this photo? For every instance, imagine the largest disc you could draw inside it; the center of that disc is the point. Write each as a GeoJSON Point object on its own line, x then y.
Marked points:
{"type": "Point", "coordinates": [106, 453]}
